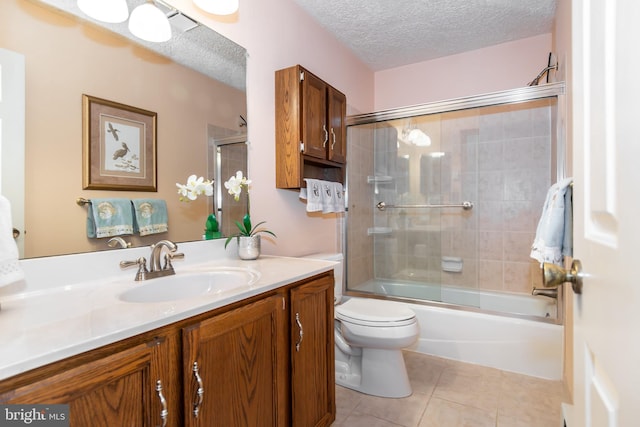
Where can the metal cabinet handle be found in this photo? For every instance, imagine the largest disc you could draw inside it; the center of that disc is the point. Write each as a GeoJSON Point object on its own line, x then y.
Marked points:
{"type": "Point", "coordinates": [334, 138]}
{"type": "Point", "coordinates": [326, 136]}
{"type": "Point", "coordinates": [164, 413]}
{"type": "Point", "coordinates": [301, 331]}
{"type": "Point", "coordinates": [200, 392]}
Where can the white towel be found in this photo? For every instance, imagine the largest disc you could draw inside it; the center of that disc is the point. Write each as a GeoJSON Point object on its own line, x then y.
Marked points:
{"type": "Point", "coordinates": [323, 196]}
{"type": "Point", "coordinates": [337, 198]}
{"type": "Point", "coordinates": [314, 195]}
{"type": "Point", "coordinates": [328, 197]}
{"type": "Point", "coordinates": [10, 270]}
{"type": "Point", "coordinates": [554, 235]}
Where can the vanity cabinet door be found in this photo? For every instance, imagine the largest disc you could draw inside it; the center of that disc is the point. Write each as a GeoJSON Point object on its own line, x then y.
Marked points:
{"type": "Point", "coordinates": [117, 390]}
{"type": "Point", "coordinates": [312, 353]}
{"type": "Point", "coordinates": [235, 367]}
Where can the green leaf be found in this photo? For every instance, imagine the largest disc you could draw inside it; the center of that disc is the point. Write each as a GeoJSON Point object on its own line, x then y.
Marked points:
{"type": "Point", "coordinates": [247, 223]}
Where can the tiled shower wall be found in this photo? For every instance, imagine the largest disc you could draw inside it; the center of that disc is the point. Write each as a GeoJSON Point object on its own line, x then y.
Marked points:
{"type": "Point", "coordinates": [497, 157]}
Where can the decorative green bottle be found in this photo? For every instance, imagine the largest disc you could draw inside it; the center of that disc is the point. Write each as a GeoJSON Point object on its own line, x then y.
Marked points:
{"type": "Point", "coordinates": [211, 228]}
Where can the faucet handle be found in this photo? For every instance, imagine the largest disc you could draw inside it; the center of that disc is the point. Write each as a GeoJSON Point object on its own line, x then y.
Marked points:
{"type": "Point", "coordinates": [142, 267]}
{"type": "Point", "coordinates": [170, 256]}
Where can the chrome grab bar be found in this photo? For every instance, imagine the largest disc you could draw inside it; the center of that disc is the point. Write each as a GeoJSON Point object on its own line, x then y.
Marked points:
{"type": "Point", "coordinates": [464, 205]}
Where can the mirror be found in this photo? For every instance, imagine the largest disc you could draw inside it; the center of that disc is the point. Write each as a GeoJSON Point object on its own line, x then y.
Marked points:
{"type": "Point", "coordinates": [66, 57]}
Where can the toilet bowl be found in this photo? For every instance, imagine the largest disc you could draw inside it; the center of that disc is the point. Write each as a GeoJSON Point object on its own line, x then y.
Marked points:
{"type": "Point", "coordinates": [369, 337]}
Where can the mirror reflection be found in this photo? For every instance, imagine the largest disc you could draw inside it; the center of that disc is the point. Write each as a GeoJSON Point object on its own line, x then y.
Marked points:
{"type": "Point", "coordinates": [66, 57]}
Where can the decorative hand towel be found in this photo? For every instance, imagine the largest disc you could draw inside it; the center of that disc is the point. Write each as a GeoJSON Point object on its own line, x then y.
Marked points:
{"type": "Point", "coordinates": [109, 217]}
{"type": "Point", "coordinates": [10, 270]}
{"type": "Point", "coordinates": [328, 197]}
{"type": "Point", "coordinates": [150, 216]}
{"type": "Point", "coordinates": [554, 235]}
{"type": "Point", "coordinates": [338, 200]}
{"type": "Point", "coordinates": [314, 195]}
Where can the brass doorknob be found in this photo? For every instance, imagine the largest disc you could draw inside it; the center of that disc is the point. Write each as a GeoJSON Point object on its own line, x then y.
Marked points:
{"type": "Point", "coordinates": [554, 275]}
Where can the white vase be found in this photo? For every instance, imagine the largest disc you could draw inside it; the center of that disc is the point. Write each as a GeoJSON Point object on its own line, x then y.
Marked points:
{"type": "Point", "coordinates": [248, 247]}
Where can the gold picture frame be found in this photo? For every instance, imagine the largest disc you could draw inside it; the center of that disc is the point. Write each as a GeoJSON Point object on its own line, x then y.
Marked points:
{"type": "Point", "coordinates": [119, 146]}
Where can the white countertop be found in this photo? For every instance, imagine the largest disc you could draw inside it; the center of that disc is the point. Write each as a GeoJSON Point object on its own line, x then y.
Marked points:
{"type": "Point", "coordinates": [41, 324]}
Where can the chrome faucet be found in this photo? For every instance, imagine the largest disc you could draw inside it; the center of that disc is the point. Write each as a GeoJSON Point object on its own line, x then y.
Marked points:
{"type": "Point", "coordinates": [551, 293]}
{"type": "Point", "coordinates": [156, 251]}
{"type": "Point", "coordinates": [156, 269]}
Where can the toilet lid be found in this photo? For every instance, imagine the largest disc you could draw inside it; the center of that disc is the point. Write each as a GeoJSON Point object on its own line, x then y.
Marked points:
{"type": "Point", "coordinates": [367, 311]}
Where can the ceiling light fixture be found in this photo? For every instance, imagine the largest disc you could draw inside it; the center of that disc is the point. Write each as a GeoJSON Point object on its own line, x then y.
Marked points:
{"type": "Point", "coordinates": [218, 7]}
{"type": "Point", "coordinates": [112, 11]}
{"type": "Point", "coordinates": [415, 136]}
{"type": "Point", "coordinates": [149, 23]}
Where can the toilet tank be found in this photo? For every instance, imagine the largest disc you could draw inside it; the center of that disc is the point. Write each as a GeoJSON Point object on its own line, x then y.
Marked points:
{"type": "Point", "coordinates": [338, 271]}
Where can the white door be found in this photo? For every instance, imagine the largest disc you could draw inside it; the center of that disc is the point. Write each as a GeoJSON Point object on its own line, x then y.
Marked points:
{"type": "Point", "coordinates": [12, 122]}
{"type": "Point", "coordinates": [606, 158]}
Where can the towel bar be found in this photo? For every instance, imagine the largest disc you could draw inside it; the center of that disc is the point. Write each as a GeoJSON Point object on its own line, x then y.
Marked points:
{"type": "Point", "coordinates": [82, 201]}
{"type": "Point", "coordinates": [464, 205]}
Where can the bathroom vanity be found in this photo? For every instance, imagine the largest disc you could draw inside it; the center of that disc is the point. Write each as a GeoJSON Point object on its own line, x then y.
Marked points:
{"type": "Point", "coordinates": [261, 355]}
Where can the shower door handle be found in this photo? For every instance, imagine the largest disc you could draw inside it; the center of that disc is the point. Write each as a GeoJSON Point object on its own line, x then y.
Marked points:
{"type": "Point", "coordinates": [554, 275]}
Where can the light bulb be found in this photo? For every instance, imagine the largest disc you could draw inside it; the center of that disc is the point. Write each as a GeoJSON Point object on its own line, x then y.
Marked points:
{"type": "Point", "coordinates": [149, 23]}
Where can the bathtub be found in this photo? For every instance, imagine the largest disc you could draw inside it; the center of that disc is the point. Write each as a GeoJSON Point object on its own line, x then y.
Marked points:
{"type": "Point", "coordinates": [516, 304]}
{"type": "Point", "coordinates": [511, 344]}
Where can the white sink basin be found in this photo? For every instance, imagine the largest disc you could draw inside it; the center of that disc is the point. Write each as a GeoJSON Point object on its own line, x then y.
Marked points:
{"type": "Point", "coordinates": [191, 284]}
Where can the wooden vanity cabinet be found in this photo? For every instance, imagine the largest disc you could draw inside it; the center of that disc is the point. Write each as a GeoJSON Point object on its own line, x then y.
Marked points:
{"type": "Point", "coordinates": [251, 366]}
{"type": "Point", "coordinates": [310, 129]}
{"type": "Point", "coordinates": [126, 388]}
{"type": "Point", "coordinates": [235, 367]}
{"type": "Point", "coordinates": [313, 353]}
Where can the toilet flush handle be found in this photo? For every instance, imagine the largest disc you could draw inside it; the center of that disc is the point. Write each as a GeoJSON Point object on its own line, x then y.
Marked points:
{"type": "Point", "coordinates": [300, 330]}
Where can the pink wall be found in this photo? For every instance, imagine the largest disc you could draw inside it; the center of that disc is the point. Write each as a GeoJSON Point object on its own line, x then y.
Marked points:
{"type": "Point", "coordinates": [505, 66]}
{"type": "Point", "coordinates": [278, 34]}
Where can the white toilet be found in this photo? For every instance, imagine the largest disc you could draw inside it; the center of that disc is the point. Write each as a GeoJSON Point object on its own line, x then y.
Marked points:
{"type": "Point", "coordinates": [370, 335]}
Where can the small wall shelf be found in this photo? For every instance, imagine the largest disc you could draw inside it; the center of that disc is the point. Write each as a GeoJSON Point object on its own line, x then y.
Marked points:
{"type": "Point", "coordinates": [379, 179]}
{"type": "Point", "coordinates": [378, 230]}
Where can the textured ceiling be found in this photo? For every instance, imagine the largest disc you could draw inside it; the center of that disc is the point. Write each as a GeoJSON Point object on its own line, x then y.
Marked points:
{"type": "Point", "coordinates": [200, 48]}
{"type": "Point", "coordinates": [391, 33]}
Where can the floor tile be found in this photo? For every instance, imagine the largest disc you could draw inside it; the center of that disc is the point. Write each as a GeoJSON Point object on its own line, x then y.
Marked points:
{"type": "Point", "coordinates": [448, 393]}
{"type": "Point", "coordinates": [442, 413]}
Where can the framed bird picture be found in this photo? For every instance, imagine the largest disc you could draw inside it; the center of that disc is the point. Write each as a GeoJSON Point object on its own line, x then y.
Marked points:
{"type": "Point", "coordinates": [119, 146]}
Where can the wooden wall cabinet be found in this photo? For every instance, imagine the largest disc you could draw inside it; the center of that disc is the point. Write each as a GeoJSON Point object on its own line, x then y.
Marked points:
{"type": "Point", "coordinates": [248, 364]}
{"type": "Point", "coordinates": [310, 129]}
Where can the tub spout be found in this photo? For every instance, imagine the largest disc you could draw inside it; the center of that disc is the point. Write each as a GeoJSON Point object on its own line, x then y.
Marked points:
{"type": "Point", "coordinates": [551, 293]}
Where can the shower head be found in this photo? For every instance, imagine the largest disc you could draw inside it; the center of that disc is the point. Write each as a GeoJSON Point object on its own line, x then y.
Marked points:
{"type": "Point", "coordinates": [546, 70]}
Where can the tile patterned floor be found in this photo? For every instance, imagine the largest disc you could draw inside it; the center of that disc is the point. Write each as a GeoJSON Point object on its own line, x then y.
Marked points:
{"type": "Point", "coordinates": [447, 393]}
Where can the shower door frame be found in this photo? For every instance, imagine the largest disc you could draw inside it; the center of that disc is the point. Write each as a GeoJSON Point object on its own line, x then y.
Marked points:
{"type": "Point", "coordinates": [512, 96]}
